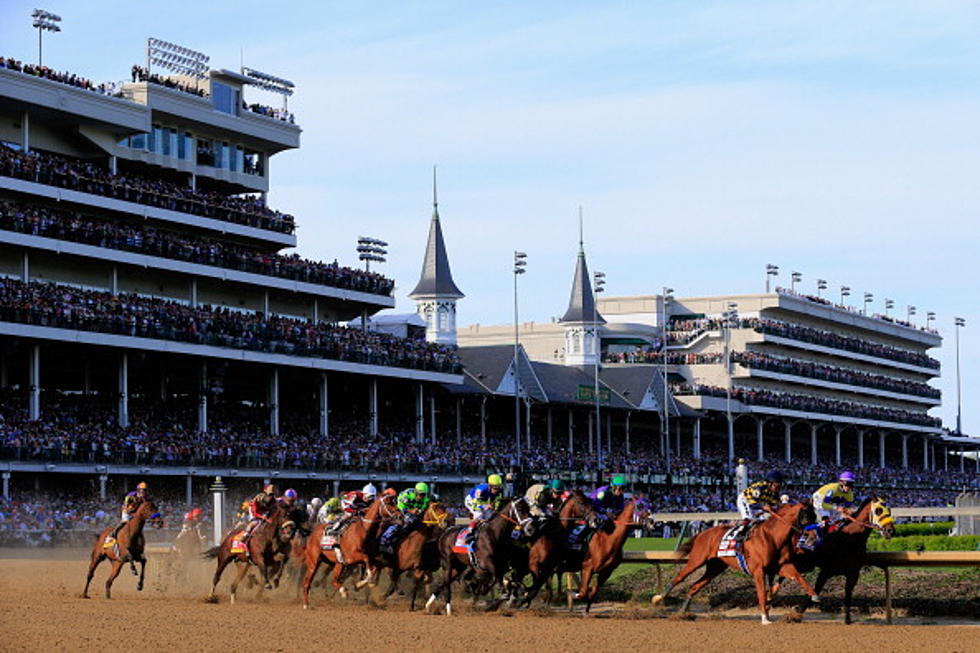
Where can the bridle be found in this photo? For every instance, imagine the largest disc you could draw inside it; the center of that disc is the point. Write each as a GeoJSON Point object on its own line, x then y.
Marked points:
{"type": "Point", "coordinates": [518, 521]}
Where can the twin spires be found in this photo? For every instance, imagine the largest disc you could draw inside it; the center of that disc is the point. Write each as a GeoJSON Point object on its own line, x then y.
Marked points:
{"type": "Point", "coordinates": [582, 321]}
{"type": "Point", "coordinates": [436, 293]}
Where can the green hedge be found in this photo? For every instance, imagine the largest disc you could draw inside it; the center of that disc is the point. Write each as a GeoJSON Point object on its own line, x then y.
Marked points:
{"type": "Point", "coordinates": [925, 528]}
{"type": "Point", "coordinates": [925, 543]}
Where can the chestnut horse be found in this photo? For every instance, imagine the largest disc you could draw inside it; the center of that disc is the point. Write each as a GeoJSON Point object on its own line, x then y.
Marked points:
{"type": "Point", "coordinates": [492, 551]}
{"type": "Point", "coordinates": [546, 551]}
{"type": "Point", "coordinates": [604, 553]}
{"type": "Point", "coordinates": [267, 548]}
{"type": "Point", "coordinates": [358, 546]}
{"type": "Point", "coordinates": [767, 551]}
{"type": "Point", "coordinates": [131, 541]}
{"type": "Point", "coordinates": [845, 551]}
{"type": "Point", "coordinates": [418, 552]}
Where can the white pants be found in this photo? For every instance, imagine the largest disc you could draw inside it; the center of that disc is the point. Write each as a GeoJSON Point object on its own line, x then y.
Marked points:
{"type": "Point", "coordinates": [818, 506]}
{"type": "Point", "coordinates": [479, 511]}
{"type": "Point", "coordinates": [747, 512]}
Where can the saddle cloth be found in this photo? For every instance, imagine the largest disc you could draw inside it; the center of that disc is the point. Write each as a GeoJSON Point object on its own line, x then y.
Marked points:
{"type": "Point", "coordinates": [109, 542]}
{"type": "Point", "coordinates": [387, 541]}
{"type": "Point", "coordinates": [238, 544]}
{"type": "Point", "coordinates": [461, 544]}
{"type": "Point", "coordinates": [729, 545]}
{"type": "Point", "coordinates": [329, 540]}
{"type": "Point", "coordinates": [579, 537]}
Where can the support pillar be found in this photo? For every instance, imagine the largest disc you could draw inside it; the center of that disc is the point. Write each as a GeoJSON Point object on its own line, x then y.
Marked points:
{"type": "Point", "coordinates": [34, 383]}
{"type": "Point", "coordinates": [925, 452]}
{"type": "Point", "coordinates": [6, 486]}
{"type": "Point", "coordinates": [788, 439]}
{"type": "Point", "coordinates": [731, 437]}
{"type": "Point", "coordinates": [336, 488]}
{"type": "Point", "coordinates": [419, 414]}
{"type": "Point", "coordinates": [202, 398]}
{"type": "Point", "coordinates": [945, 458]}
{"type": "Point", "coordinates": [25, 131]}
{"type": "Point", "coordinates": [323, 399]}
{"type": "Point", "coordinates": [813, 443]}
{"type": "Point", "coordinates": [527, 422]}
{"type": "Point", "coordinates": [483, 420]}
{"type": "Point", "coordinates": [905, 450]}
{"type": "Point", "coordinates": [677, 434]}
{"type": "Point", "coordinates": [25, 267]}
{"type": "Point", "coordinates": [114, 280]}
{"type": "Point", "coordinates": [760, 453]}
{"type": "Point", "coordinates": [697, 438]}
{"type": "Point", "coordinates": [373, 405]}
{"type": "Point", "coordinates": [189, 490]}
{"type": "Point", "coordinates": [837, 431]}
{"type": "Point", "coordinates": [591, 420]}
{"type": "Point", "coordinates": [860, 434]}
{"type": "Point", "coordinates": [548, 426]}
{"type": "Point", "coordinates": [626, 429]}
{"type": "Point", "coordinates": [432, 417]}
{"type": "Point", "coordinates": [881, 449]}
{"type": "Point", "coordinates": [103, 479]}
{"type": "Point", "coordinates": [459, 420]}
{"type": "Point", "coordinates": [274, 402]}
{"type": "Point", "coordinates": [962, 461]}
{"type": "Point", "coordinates": [265, 303]}
{"type": "Point", "coordinates": [123, 410]}
{"type": "Point", "coordinates": [316, 311]}
{"type": "Point", "coordinates": [192, 292]}
{"type": "Point", "coordinates": [571, 432]}
{"type": "Point", "coordinates": [113, 164]}
{"type": "Point", "coordinates": [218, 490]}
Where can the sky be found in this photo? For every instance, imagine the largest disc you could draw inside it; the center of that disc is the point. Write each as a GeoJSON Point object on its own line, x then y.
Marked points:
{"type": "Point", "coordinates": [702, 140]}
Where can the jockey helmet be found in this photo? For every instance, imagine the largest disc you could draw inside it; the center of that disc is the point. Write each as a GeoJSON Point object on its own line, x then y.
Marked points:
{"type": "Point", "coordinates": [494, 480]}
{"type": "Point", "coordinates": [369, 491]}
{"type": "Point", "coordinates": [390, 492]}
{"type": "Point", "coordinates": [196, 513]}
{"type": "Point", "coordinates": [332, 504]}
{"type": "Point", "coordinates": [846, 477]}
{"type": "Point", "coordinates": [422, 487]}
{"type": "Point", "coordinates": [269, 489]}
{"type": "Point", "coordinates": [316, 502]}
{"type": "Point", "coordinates": [618, 480]}
{"type": "Point", "coordinates": [141, 486]}
{"type": "Point", "coordinates": [775, 476]}
{"type": "Point", "coordinates": [557, 485]}
{"type": "Point", "coordinates": [290, 494]}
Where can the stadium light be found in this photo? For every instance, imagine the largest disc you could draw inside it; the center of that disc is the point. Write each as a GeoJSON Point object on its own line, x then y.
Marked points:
{"type": "Point", "coordinates": [270, 83]}
{"type": "Point", "coordinates": [520, 265]}
{"type": "Point", "coordinates": [795, 278]}
{"type": "Point", "coordinates": [868, 298]}
{"type": "Point", "coordinates": [771, 271]}
{"type": "Point", "coordinates": [909, 312]}
{"type": "Point", "coordinates": [845, 291]}
{"type": "Point", "coordinates": [598, 281]}
{"type": "Point", "coordinates": [889, 304]}
{"type": "Point", "coordinates": [958, 322]}
{"type": "Point", "coordinates": [177, 59]}
{"type": "Point", "coordinates": [44, 21]}
{"type": "Point", "coordinates": [371, 249]}
{"type": "Point", "coordinates": [668, 297]}
{"type": "Point", "coordinates": [728, 323]}
{"type": "Point", "coordinates": [821, 285]}
{"type": "Point", "coordinates": [930, 316]}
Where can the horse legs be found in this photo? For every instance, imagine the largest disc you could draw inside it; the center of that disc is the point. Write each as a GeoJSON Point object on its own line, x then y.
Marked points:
{"type": "Point", "coordinates": [242, 570]}
{"type": "Point", "coordinates": [311, 570]}
{"type": "Point", "coordinates": [394, 575]}
{"type": "Point", "coordinates": [116, 568]}
{"type": "Point", "coordinates": [712, 570]}
{"type": "Point", "coordinates": [586, 582]}
{"type": "Point", "coordinates": [790, 571]}
{"type": "Point", "coordinates": [849, 582]}
{"type": "Point", "coordinates": [338, 572]}
{"type": "Point", "coordinates": [139, 585]}
{"type": "Point", "coordinates": [97, 558]}
{"type": "Point", "coordinates": [688, 569]}
{"type": "Point", "coordinates": [601, 578]}
{"type": "Point", "coordinates": [222, 563]}
{"type": "Point", "coordinates": [760, 590]}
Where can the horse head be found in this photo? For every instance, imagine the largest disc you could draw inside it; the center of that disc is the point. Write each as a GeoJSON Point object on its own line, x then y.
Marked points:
{"type": "Point", "coordinates": [148, 511]}
{"type": "Point", "coordinates": [578, 507]}
{"type": "Point", "coordinates": [437, 515]}
{"type": "Point", "coordinates": [881, 517]}
{"type": "Point", "coordinates": [518, 511]}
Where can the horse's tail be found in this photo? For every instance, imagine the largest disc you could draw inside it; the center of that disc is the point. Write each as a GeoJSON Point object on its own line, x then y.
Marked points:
{"type": "Point", "coordinates": [211, 553]}
{"type": "Point", "coordinates": [685, 548]}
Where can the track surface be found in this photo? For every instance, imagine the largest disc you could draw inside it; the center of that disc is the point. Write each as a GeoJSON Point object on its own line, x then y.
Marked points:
{"type": "Point", "coordinates": [40, 609]}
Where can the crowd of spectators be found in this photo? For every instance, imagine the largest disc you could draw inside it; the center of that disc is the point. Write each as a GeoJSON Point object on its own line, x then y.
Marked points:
{"type": "Point", "coordinates": [71, 79]}
{"type": "Point", "coordinates": [653, 356]}
{"type": "Point", "coordinates": [271, 112]}
{"type": "Point", "coordinates": [75, 227]}
{"type": "Point", "coordinates": [90, 177]}
{"type": "Point", "coordinates": [796, 367]}
{"type": "Point", "coordinates": [826, 302]}
{"type": "Point", "coordinates": [809, 404]}
{"type": "Point", "coordinates": [140, 74]}
{"type": "Point", "coordinates": [68, 307]}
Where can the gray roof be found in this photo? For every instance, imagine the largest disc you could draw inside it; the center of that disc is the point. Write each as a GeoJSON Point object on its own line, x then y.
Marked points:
{"type": "Point", "coordinates": [561, 382]}
{"type": "Point", "coordinates": [634, 381]}
{"type": "Point", "coordinates": [581, 305]}
{"type": "Point", "coordinates": [437, 278]}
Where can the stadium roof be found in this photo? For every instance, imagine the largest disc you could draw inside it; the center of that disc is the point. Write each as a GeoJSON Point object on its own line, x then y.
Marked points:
{"type": "Point", "coordinates": [437, 278]}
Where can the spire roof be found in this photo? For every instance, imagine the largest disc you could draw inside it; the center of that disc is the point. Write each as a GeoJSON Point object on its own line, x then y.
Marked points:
{"type": "Point", "coordinates": [437, 278]}
{"type": "Point", "coordinates": [581, 304]}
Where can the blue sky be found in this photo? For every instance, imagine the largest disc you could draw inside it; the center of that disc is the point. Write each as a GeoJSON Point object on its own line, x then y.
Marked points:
{"type": "Point", "coordinates": [703, 140]}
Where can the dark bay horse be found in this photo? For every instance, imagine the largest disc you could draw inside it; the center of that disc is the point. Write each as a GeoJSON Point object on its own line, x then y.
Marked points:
{"type": "Point", "coordinates": [267, 548]}
{"type": "Point", "coordinates": [547, 549]}
{"type": "Point", "coordinates": [418, 552]}
{"type": "Point", "coordinates": [131, 541]}
{"type": "Point", "coordinates": [603, 555]}
{"type": "Point", "coordinates": [492, 551]}
{"type": "Point", "coordinates": [358, 546]}
{"type": "Point", "coordinates": [766, 551]}
{"type": "Point", "coordinates": [844, 551]}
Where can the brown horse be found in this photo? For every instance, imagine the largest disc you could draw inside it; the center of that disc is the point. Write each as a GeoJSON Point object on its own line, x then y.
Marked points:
{"type": "Point", "coordinates": [845, 551]}
{"type": "Point", "coordinates": [357, 544]}
{"type": "Point", "coordinates": [604, 553]}
{"type": "Point", "coordinates": [267, 548]}
{"type": "Point", "coordinates": [766, 553]}
{"type": "Point", "coordinates": [545, 553]}
{"type": "Point", "coordinates": [130, 540]}
{"type": "Point", "coordinates": [418, 552]}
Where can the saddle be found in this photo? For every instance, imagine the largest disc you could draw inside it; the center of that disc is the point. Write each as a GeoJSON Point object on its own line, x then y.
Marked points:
{"type": "Point", "coordinates": [111, 543]}
{"type": "Point", "coordinates": [579, 537]}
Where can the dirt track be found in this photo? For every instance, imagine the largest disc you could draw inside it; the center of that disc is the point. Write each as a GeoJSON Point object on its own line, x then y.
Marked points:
{"type": "Point", "coordinates": [40, 609]}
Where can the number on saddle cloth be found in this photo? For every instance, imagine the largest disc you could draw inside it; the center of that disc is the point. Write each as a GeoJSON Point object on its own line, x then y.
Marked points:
{"type": "Point", "coordinates": [388, 539]}
{"type": "Point", "coordinates": [731, 542]}
{"type": "Point", "coordinates": [464, 540]}
{"type": "Point", "coordinates": [578, 537]}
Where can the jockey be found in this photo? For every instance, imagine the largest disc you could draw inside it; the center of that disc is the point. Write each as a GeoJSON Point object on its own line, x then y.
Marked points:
{"type": "Point", "coordinates": [131, 504]}
{"type": "Point", "coordinates": [608, 500]}
{"type": "Point", "coordinates": [759, 499]}
{"type": "Point", "coordinates": [313, 508]}
{"type": "Point", "coordinates": [484, 499]}
{"type": "Point", "coordinates": [541, 498]}
{"type": "Point", "coordinates": [356, 502]}
{"type": "Point", "coordinates": [412, 502]}
{"type": "Point", "coordinates": [835, 499]}
{"type": "Point", "coordinates": [259, 508]}
{"type": "Point", "coordinates": [332, 514]}
{"type": "Point", "coordinates": [191, 519]}
{"type": "Point", "coordinates": [289, 497]}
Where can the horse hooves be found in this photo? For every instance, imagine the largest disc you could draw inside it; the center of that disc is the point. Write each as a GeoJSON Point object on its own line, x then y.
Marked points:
{"type": "Point", "coordinates": [211, 599]}
{"type": "Point", "coordinates": [657, 598]}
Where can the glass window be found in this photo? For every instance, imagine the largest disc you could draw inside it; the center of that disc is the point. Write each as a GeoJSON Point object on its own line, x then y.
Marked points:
{"type": "Point", "coordinates": [224, 98]}
{"type": "Point", "coordinates": [138, 141]}
{"type": "Point", "coordinates": [217, 149]}
{"type": "Point", "coordinates": [159, 137]}
{"type": "Point", "coordinates": [165, 143]}
{"type": "Point", "coordinates": [236, 161]}
{"type": "Point", "coordinates": [150, 140]}
{"type": "Point", "coordinates": [252, 163]}
{"type": "Point", "coordinates": [205, 152]}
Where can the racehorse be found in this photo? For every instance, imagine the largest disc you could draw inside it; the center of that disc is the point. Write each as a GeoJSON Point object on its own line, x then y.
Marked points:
{"type": "Point", "coordinates": [844, 551]}
{"type": "Point", "coordinates": [418, 551]}
{"type": "Point", "coordinates": [357, 546]}
{"type": "Point", "coordinates": [546, 550]}
{"type": "Point", "coordinates": [186, 547]}
{"type": "Point", "coordinates": [604, 553]}
{"type": "Point", "coordinates": [130, 543]}
{"type": "Point", "coordinates": [491, 551]}
{"type": "Point", "coordinates": [267, 548]}
{"type": "Point", "coordinates": [766, 553]}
